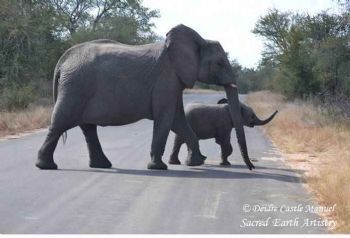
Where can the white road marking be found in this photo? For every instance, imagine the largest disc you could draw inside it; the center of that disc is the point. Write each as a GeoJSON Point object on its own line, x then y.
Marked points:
{"type": "Point", "coordinates": [271, 158]}
{"type": "Point", "coordinates": [31, 218]}
{"type": "Point", "coordinates": [134, 181]}
{"type": "Point", "coordinates": [211, 205]}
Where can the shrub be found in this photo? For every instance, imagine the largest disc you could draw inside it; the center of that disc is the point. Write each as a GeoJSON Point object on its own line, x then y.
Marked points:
{"type": "Point", "coordinates": [17, 97]}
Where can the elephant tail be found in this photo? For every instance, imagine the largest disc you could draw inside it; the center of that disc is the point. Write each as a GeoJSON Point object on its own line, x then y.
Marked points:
{"type": "Point", "coordinates": [56, 77]}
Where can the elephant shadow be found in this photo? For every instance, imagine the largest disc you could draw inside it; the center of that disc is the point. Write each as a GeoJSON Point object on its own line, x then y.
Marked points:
{"type": "Point", "coordinates": [205, 172]}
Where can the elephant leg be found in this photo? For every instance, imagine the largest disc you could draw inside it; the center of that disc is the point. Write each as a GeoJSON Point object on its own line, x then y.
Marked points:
{"type": "Point", "coordinates": [226, 151]}
{"type": "Point", "coordinates": [64, 117]}
{"type": "Point", "coordinates": [182, 129]}
{"type": "Point", "coordinates": [161, 129]}
{"type": "Point", "coordinates": [97, 158]}
{"type": "Point", "coordinates": [174, 157]}
{"type": "Point", "coordinates": [194, 157]}
{"type": "Point", "coordinates": [45, 155]}
{"type": "Point", "coordinates": [57, 128]}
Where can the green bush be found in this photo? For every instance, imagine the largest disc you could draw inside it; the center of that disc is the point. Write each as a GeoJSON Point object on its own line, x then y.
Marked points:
{"type": "Point", "coordinates": [310, 55]}
{"type": "Point", "coordinates": [34, 34]}
{"type": "Point", "coordinates": [17, 97]}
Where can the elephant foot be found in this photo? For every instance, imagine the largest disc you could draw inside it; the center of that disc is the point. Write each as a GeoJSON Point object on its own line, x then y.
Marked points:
{"type": "Point", "coordinates": [48, 164]}
{"type": "Point", "coordinates": [195, 159]}
{"type": "Point", "coordinates": [159, 165]}
{"type": "Point", "coordinates": [174, 160]}
{"type": "Point", "coordinates": [102, 163]}
{"type": "Point", "coordinates": [225, 163]}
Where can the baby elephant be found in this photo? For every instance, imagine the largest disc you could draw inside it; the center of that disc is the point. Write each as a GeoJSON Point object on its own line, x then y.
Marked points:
{"type": "Point", "coordinates": [214, 121]}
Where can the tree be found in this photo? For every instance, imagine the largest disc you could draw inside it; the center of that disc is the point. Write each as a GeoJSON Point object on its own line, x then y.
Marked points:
{"type": "Point", "coordinates": [308, 53]}
{"type": "Point", "coordinates": [274, 27]}
{"type": "Point", "coordinates": [90, 16]}
{"type": "Point", "coordinates": [34, 33]}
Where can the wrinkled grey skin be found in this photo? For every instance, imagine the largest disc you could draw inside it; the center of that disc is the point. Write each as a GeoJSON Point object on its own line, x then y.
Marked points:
{"type": "Point", "coordinates": [107, 83]}
{"type": "Point", "coordinates": [214, 121]}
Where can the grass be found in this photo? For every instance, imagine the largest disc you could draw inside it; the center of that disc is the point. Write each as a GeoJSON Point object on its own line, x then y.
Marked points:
{"type": "Point", "coordinates": [315, 142]}
{"type": "Point", "coordinates": [12, 123]}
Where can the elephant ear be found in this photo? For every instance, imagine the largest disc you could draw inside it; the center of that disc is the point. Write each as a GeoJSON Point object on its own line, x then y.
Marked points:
{"type": "Point", "coordinates": [222, 101]}
{"type": "Point", "coordinates": [184, 45]}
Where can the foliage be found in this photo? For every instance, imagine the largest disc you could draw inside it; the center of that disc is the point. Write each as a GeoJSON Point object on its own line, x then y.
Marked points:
{"type": "Point", "coordinates": [17, 97]}
{"type": "Point", "coordinates": [250, 79]}
{"type": "Point", "coordinates": [34, 33]}
{"type": "Point", "coordinates": [308, 55]}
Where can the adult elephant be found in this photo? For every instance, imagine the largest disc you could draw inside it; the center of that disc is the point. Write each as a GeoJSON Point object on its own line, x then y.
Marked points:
{"type": "Point", "coordinates": [107, 83]}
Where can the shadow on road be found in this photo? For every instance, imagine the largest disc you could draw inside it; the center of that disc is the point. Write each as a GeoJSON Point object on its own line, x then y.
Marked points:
{"type": "Point", "coordinates": [298, 171]}
{"type": "Point", "coordinates": [198, 172]}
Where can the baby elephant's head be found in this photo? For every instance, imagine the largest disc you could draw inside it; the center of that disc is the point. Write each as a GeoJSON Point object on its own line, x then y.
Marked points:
{"type": "Point", "coordinates": [249, 117]}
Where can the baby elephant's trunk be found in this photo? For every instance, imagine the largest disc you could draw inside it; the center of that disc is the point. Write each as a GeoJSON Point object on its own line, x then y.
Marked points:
{"type": "Point", "coordinates": [259, 122]}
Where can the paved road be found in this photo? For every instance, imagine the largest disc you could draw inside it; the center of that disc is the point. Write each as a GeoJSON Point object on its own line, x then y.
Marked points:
{"type": "Point", "coordinates": [131, 199]}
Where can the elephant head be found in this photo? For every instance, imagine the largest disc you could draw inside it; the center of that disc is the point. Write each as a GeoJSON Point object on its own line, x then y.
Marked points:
{"type": "Point", "coordinates": [249, 117]}
{"type": "Point", "coordinates": [195, 58]}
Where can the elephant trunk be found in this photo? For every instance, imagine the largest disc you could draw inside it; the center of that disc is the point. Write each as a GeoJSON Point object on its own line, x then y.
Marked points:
{"type": "Point", "coordinates": [233, 101]}
{"type": "Point", "coordinates": [259, 122]}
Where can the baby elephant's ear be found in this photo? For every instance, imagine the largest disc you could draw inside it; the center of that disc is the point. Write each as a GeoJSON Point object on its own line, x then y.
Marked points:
{"type": "Point", "coordinates": [222, 101]}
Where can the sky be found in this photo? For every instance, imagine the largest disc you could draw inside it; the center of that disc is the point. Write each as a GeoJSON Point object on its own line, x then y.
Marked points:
{"type": "Point", "coordinates": [228, 21]}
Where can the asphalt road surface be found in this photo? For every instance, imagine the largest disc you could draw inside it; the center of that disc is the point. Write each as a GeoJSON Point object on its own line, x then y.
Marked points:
{"type": "Point", "coordinates": [131, 199]}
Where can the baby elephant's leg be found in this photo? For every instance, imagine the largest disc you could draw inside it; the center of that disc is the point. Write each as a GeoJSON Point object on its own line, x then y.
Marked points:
{"type": "Point", "coordinates": [174, 157]}
{"type": "Point", "coordinates": [226, 151]}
